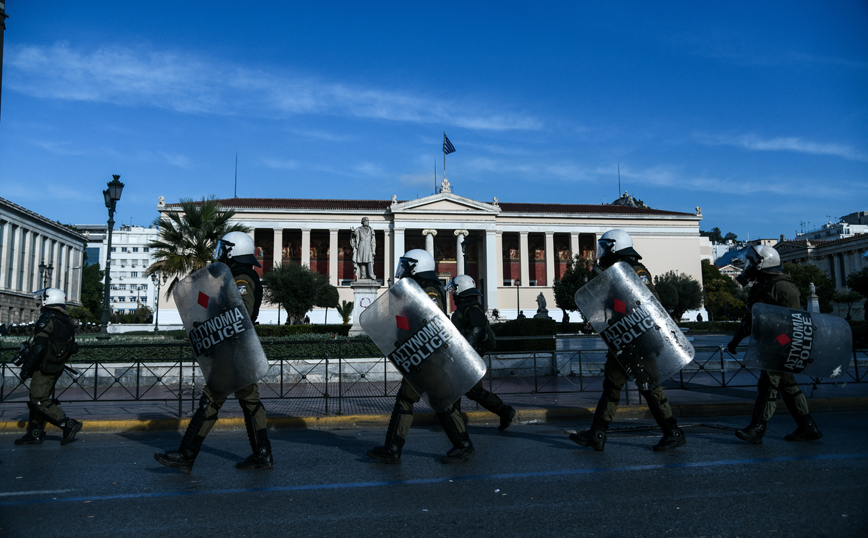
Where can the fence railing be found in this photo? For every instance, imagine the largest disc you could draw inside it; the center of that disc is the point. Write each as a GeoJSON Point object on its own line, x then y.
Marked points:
{"type": "Point", "coordinates": [334, 373]}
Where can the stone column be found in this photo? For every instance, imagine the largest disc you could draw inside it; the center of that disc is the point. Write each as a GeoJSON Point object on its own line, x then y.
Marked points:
{"type": "Point", "coordinates": [493, 269]}
{"type": "Point", "coordinates": [333, 257]}
{"type": "Point", "coordinates": [55, 261]}
{"type": "Point", "coordinates": [429, 240]}
{"type": "Point", "coordinates": [523, 259]}
{"type": "Point", "coordinates": [28, 267]}
{"type": "Point", "coordinates": [277, 254]}
{"type": "Point", "coordinates": [387, 252]}
{"type": "Point", "coordinates": [459, 251]}
{"type": "Point", "coordinates": [397, 248]}
{"type": "Point", "coordinates": [15, 239]}
{"type": "Point", "coordinates": [550, 259]}
{"type": "Point", "coordinates": [305, 248]}
{"type": "Point", "coordinates": [574, 244]}
{"type": "Point", "coordinates": [497, 255]}
{"type": "Point", "coordinates": [6, 230]}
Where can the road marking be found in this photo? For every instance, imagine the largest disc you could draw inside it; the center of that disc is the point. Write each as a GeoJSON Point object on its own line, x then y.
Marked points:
{"type": "Point", "coordinates": [35, 492]}
{"type": "Point", "coordinates": [445, 479]}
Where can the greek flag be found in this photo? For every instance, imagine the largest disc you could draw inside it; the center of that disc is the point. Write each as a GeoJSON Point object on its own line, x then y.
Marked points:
{"type": "Point", "coordinates": [447, 146]}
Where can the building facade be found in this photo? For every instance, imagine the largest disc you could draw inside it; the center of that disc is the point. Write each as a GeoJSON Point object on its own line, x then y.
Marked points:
{"type": "Point", "coordinates": [130, 286]}
{"type": "Point", "coordinates": [514, 251]}
{"type": "Point", "coordinates": [35, 253]}
{"type": "Point", "coordinates": [837, 257]}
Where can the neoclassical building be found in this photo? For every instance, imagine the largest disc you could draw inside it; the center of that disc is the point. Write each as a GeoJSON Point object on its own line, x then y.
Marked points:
{"type": "Point", "coordinates": [35, 253]}
{"type": "Point", "coordinates": [514, 251]}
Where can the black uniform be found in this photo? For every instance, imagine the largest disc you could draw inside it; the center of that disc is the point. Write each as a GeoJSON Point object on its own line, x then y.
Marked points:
{"type": "Point", "coordinates": [250, 289]}
{"type": "Point", "coordinates": [775, 288]}
{"type": "Point", "coordinates": [44, 360]}
{"type": "Point", "coordinates": [615, 377]}
{"type": "Point", "coordinates": [402, 414]}
{"type": "Point", "coordinates": [470, 319]}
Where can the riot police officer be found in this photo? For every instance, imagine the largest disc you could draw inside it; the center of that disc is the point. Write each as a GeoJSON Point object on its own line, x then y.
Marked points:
{"type": "Point", "coordinates": [774, 287]}
{"type": "Point", "coordinates": [235, 249]}
{"type": "Point", "coordinates": [469, 318]}
{"type": "Point", "coordinates": [418, 264]}
{"type": "Point", "coordinates": [614, 246]}
{"type": "Point", "coordinates": [44, 359]}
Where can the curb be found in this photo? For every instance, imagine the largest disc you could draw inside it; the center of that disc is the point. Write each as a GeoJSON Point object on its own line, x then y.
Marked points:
{"type": "Point", "coordinates": [525, 416]}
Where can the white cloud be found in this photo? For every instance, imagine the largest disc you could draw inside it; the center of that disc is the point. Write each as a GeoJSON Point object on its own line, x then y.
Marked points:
{"type": "Point", "coordinates": [792, 144]}
{"type": "Point", "coordinates": [189, 83]}
{"type": "Point", "coordinates": [280, 164]}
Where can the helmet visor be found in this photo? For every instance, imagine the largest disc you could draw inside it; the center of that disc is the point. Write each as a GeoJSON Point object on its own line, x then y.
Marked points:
{"type": "Point", "coordinates": [223, 249]}
{"type": "Point", "coordinates": [405, 267]}
{"type": "Point", "coordinates": [604, 248]}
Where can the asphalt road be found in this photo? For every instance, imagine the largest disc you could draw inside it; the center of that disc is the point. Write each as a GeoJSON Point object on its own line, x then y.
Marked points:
{"type": "Point", "coordinates": [528, 481]}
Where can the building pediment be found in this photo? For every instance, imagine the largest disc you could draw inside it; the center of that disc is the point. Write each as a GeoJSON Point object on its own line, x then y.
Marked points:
{"type": "Point", "coordinates": [444, 203]}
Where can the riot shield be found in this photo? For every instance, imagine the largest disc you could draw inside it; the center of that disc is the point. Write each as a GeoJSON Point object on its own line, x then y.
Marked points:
{"type": "Point", "coordinates": [220, 330]}
{"type": "Point", "coordinates": [798, 342]}
{"type": "Point", "coordinates": [634, 325]}
{"type": "Point", "coordinates": [423, 344]}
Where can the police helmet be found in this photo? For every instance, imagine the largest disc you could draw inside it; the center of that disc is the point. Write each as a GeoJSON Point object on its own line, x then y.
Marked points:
{"type": "Point", "coordinates": [414, 262]}
{"type": "Point", "coordinates": [237, 247]}
{"type": "Point", "coordinates": [462, 286]}
{"type": "Point", "coordinates": [616, 242]}
{"type": "Point", "coordinates": [53, 297]}
{"type": "Point", "coordinates": [756, 259]}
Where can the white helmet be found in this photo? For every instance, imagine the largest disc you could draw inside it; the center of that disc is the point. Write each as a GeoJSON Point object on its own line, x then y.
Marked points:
{"type": "Point", "coordinates": [757, 258]}
{"type": "Point", "coordinates": [615, 242]}
{"type": "Point", "coordinates": [414, 262]}
{"type": "Point", "coordinates": [236, 246]}
{"type": "Point", "coordinates": [463, 286]}
{"type": "Point", "coordinates": [53, 297]}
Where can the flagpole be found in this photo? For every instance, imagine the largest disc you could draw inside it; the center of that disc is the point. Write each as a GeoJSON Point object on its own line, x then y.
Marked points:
{"type": "Point", "coordinates": [236, 175]}
{"type": "Point", "coordinates": [444, 157]}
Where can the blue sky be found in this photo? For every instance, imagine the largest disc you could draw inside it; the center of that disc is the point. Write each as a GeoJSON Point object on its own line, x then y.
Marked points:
{"type": "Point", "coordinates": [757, 112]}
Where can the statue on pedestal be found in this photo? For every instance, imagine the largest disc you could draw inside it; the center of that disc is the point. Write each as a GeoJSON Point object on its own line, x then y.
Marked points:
{"type": "Point", "coordinates": [364, 244]}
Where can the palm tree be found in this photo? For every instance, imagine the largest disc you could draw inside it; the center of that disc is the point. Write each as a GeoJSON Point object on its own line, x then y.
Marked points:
{"type": "Point", "coordinates": [188, 238]}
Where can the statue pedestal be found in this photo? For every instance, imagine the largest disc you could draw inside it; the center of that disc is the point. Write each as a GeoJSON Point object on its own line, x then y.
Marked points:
{"type": "Point", "coordinates": [542, 313]}
{"type": "Point", "coordinates": [365, 292]}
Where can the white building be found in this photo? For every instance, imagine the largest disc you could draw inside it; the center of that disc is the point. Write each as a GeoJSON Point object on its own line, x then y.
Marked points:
{"type": "Point", "coordinates": [130, 286]}
{"type": "Point", "coordinates": [849, 225]}
{"type": "Point", "coordinates": [514, 251]}
{"type": "Point", "coordinates": [35, 252]}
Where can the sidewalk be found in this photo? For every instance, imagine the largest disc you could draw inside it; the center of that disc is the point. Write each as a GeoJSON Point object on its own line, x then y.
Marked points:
{"type": "Point", "coordinates": [574, 408]}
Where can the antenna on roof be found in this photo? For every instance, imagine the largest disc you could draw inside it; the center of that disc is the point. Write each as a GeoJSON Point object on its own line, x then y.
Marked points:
{"type": "Point", "coordinates": [236, 175]}
{"type": "Point", "coordinates": [619, 179]}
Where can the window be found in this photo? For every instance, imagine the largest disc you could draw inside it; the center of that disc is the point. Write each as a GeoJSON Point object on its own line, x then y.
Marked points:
{"type": "Point", "coordinates": [121, 299]}
{"type": "Point", "coordinates": [145, 249]}
{"type": "Point", "coordinates": [121, 287]}
{"type": "Point", "coordinates": [124, 249]}
{"type": "Point", "coordinates": [135, 249]}
{"type": "Point", "coordinates": [114, 249]}
{"type": "Point", "coordinates": [134, 274]}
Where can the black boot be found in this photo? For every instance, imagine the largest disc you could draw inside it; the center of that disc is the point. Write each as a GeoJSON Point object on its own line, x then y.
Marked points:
{"type": "Point", "coordinates": [506, 418]}
{"type": "Point", "coordinates": [462, 449]}
{"type": "Point", "coordinates": [807, 430]}
{"type": "Point", "coordinates": [261, 457]}
{"type": "Point", "coordinates": [70, 428]}
{"type": "Point", "coordinates": [594, 438]}
{"type": "Point", "coordinates": [35, 428]}
{"type": "Point", "coordinates": [390, 453]}
{"type": "Point", "coordinates": [753, 433]}
{"type": "Point", "coordinates": [183, 458]}
{"type": "Point", "coordinates": [672, 438]}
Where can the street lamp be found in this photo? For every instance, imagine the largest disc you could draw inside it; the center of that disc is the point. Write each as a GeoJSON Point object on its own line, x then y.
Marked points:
{"type": "Point", "coordinates": [112, 194]}
{"type": "Point", "coordinates": [45, 273]}
{"type": "Point", "coordinates": [156, 280]}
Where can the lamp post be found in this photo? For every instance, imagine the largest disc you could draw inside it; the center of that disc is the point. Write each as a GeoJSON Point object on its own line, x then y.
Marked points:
{"type": "Point", "coordinates": [517, 297]}
{"type": "Point", "coordinates": [45, 273]}
{"type": "Point", "coordinates": [112, 194]}
{"type": "Point", "coordinates": [156, 280]}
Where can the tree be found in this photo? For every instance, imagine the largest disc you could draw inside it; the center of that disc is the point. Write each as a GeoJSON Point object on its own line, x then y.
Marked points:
{"type": "Point", "coordinates": [715, 235]}
{"type": "Point", "coordinates": [328, 299]}
{"type": "Point", "coordinates": [858, 282]}
{"type": "Point", "coordinates": [92, 291]}
{"type": "Point", "coordinates": [188, 238]}
{"type": "Point", "coordinates": [848, 298]}
{"type": "Point", "coordinates": [678, 293]}
{"type": "Point", "coordinates": [579, 271]}
{"type": "Point", "coordinates": [803, 275]}
{"type": "Point", "coordinates": [346, 310]}
{"type": "Point", "coordinates": [295, 288]}
{"type": "Point", "coordinates": [723, 298]}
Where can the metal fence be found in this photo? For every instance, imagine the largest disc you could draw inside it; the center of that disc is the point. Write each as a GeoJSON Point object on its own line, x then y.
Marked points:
{"type": "Point", "coordinates": [340, 372]}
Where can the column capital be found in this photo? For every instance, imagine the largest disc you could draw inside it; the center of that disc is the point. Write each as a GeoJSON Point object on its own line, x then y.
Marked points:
{"type": "Point", "coordinates": [461, 232]}
{"type": "Point", "coordinates": [429, 232]}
